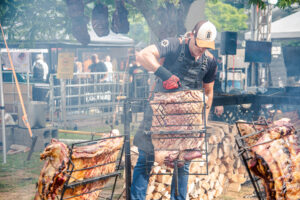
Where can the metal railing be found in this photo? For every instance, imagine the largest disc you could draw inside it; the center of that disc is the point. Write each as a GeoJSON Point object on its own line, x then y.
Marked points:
{"type": "Point", "coordinates": [86, 99]}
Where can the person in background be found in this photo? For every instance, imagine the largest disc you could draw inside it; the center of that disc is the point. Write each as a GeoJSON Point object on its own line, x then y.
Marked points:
{"type": "Point", "coordinates": [109, 68]}
{"type": "Point", "coordinates": [175, 61]}
{"type": "Point", "coordinates": [98, 66]}
{"type": "Point", "coordinates": [40, 69]}
{"type": "Point", "coordinates": [218, 110]}
{"type": "Point", "coordinates": [138, 77]}
{"type": "Point", "coordinates": [78, 67]}
{"type": "Point", "coordinates": [3, 67]}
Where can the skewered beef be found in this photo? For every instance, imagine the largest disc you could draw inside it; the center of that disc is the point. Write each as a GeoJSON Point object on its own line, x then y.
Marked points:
{"type": "Point", "coordinates": [79, 21]}
{"type": "Point", "coordinates": [89, 161]}
{"type": "Point", "coordinates": [100, 20]}
{"type": "Point", "coordinates": [177, 111]}
{"type": "Point", "coordinates": [276, 158]}
{"type": "Point", "coordinates": [52, 175]}
{"type": "Point", "coordinates": [120, 22]}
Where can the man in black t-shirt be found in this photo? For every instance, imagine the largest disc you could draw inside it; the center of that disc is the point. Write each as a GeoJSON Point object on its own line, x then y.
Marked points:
{"type": "Point", "coordinates": [139, 81]}
{"type": "Point", "coordinates": [98, 66]}
{"type": "Point", "coordinates": [175, 61]}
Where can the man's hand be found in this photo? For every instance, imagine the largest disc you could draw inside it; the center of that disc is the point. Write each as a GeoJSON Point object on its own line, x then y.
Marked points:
{"type": "Point", "coordinates": [172, 83]}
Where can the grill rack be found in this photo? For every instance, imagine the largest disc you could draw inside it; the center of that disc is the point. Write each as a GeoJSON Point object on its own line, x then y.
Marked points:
{"type": "Point", "coordinates": [196, 129]}
{"type": "Point", "coordinates": [243, 151]}
{"type": "Point", "coordinates": [70, 170]}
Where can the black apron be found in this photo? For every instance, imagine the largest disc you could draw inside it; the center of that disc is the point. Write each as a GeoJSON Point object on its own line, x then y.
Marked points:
{"type": "Point", "coordinates": [191, 74]}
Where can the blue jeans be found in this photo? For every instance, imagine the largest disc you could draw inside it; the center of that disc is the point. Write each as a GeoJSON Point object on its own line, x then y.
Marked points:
{"type": "Point", "coordinates": [141, 174]}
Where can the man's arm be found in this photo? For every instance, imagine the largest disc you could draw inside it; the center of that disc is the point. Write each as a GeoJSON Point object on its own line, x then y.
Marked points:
{"type": "Point", "coordinates": [209, 92]}
{"type": "Point", "coordinates": [149, 58]}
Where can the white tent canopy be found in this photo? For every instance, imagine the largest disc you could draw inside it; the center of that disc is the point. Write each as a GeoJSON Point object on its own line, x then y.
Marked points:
{"type": "Point", "coordinates": [284, 28]}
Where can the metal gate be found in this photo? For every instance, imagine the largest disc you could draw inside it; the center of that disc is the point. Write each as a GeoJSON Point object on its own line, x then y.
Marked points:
{"type": "Point", "coordinates": [86, 100]}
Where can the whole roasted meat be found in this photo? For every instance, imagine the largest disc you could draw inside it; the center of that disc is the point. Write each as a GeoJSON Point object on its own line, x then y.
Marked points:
{"type": "Point", "coordinates": [276, 158]}
{"type": "Point", "coordinates": [90, 161]}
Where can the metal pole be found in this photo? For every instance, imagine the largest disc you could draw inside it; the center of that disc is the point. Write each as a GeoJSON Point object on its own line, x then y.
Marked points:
{"type": "Point", "coordinates": [51, 100]}
{"type": "Point", "coordinates": [127, 148]}
{"type": "Point", "coordinates": [28, 86]}
{"type": "Point", "coordinates": [253, 31]}
{"type": "Point", "coordinates": [252, 74]}
{"type": "Point", "coordinates": [253, 21]}
{"type": "Point", "coordinates": [63, 101]}
{"type": "Point", "coordinates": [2, 115]}
{"type": "Point", "coordinates": [226, 73]}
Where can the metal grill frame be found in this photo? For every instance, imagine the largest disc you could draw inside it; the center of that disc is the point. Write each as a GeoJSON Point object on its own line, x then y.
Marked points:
{"type": "Point", "coordinates": [128, 119]}
{"type": "Point", "coordinates": [70, 169]}
{"type": "Point", "coordinates": [243, 151]}
{"type": "Point", "coordinates": [201, 132]}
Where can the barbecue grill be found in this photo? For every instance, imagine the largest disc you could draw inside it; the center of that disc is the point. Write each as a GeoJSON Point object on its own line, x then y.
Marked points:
{"type": "Point", "coordinates": [186, 131]}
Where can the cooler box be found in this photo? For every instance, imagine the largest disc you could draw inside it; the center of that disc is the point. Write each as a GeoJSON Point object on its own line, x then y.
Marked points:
{"type": "Point", "coordinates": [36, 113]}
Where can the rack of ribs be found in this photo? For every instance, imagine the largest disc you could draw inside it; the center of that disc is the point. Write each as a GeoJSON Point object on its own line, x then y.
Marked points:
{"type": "Point", "coordinates": [178, 126]}
{"type": "Point", "coordinates": [275, 157]}
{"type": "Point", "coordinates": [78, 172]}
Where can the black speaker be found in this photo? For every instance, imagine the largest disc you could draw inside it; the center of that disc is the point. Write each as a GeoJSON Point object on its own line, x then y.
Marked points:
{"type": "Point", "coordinates": [228, 43]}
{"type": "Point", "coordinates": [258, 51]}
{"type": "Point", "coordinates": [291, 60]}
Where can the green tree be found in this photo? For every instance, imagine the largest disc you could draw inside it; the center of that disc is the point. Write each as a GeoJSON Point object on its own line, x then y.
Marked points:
{"type": "Point", "coordinates": [34, 19]}
{"type": "Point", "coordinates": [226, 17]}
{"type": "Point", "coordinates": [48, 19]}
{"type": "Point", "coordinates": [139, 30]}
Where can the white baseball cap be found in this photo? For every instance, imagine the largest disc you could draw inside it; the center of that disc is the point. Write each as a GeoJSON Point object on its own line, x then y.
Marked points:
{"type": "Point", "coordinates": [205, 34]}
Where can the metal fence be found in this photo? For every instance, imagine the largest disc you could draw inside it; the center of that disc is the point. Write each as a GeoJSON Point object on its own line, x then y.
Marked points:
{"type": "Point", "coordinates": [86, 99]}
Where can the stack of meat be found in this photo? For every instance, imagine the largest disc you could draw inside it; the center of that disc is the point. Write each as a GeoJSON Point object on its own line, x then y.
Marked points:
{"type": "Point", "coordinates": [95, 160]}
{"type": "Point", "coordinates": [180, 115]}
{"type": "Point", "coordinates": [275, 153]}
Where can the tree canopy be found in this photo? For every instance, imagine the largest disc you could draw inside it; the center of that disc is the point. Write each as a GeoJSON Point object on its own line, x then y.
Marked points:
{"type": "Point", "coordinates": [226, 17]}
{"type": "Point", "coordinates": [34, 19]}
{"type": "Point", "coordinates": [49, 20]}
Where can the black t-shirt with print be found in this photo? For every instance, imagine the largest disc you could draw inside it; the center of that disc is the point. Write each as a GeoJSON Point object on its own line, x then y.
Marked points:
{"type": "Point", "coordinates": [170, 49]}
{"type": "Point", "coordinates": [98, 67]}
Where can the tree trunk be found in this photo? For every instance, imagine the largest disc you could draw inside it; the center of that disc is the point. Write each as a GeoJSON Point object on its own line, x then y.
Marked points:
{"type": "Point", "coordinates": [167, 21]}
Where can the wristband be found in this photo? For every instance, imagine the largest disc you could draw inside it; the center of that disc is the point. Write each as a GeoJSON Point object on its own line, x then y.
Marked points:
{"type": "Point", "coordinates": [163, 73]}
